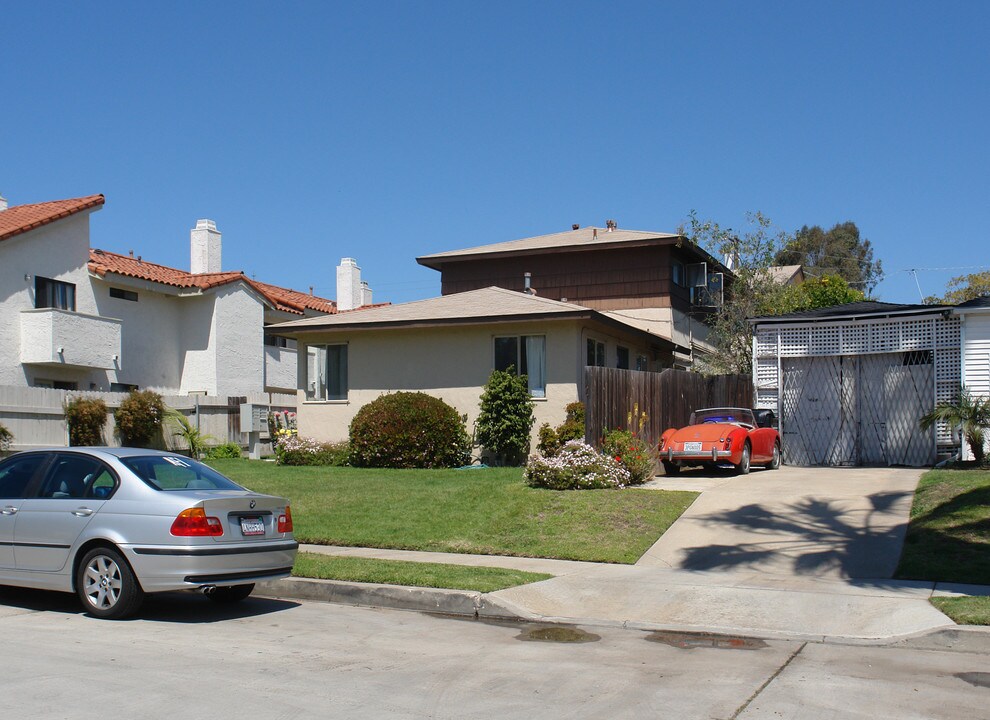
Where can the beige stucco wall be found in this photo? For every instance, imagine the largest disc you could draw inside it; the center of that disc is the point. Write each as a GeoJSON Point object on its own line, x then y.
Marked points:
{"type": "Point", "coordinates": [453, 364]}
{"type": "Point", "coordinates": [449, 363]}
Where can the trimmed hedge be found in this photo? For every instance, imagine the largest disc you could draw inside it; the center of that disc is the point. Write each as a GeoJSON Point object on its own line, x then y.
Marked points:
{"type": "Point", "coordinates": [86, 418]}
{"type": "Point", "coordinates": [408, 430]}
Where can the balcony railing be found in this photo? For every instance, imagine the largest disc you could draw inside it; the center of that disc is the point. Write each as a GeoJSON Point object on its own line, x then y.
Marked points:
{"type": "Point", "coordinates": [61, 337]}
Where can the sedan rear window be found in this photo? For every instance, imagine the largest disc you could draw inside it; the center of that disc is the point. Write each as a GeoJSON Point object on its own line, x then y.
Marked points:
{"type": "Point", "coordinates": [174, 472]}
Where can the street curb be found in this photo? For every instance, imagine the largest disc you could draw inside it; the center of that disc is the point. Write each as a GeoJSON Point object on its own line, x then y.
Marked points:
{"type": "Point", "coordinates": [398, 597]}
{"type": "Point", "coordinates": [466, 603]}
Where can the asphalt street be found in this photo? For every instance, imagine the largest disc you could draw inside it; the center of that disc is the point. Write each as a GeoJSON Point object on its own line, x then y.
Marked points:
{"type": "Point", "coordinates": [185, 656]}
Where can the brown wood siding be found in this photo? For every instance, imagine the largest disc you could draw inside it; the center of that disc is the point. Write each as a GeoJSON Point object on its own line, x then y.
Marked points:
{"type": "Point", "coordinates": [610, 279]}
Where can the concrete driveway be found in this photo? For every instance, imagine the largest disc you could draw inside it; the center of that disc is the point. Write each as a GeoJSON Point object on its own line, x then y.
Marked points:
{"type": "Point", "coordinates": [812, 522]}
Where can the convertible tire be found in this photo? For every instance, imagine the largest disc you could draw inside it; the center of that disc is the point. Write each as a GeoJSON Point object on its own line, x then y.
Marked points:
{"type": "Point", "coordinates": [231, 594]}
{"type": "Point", "coordinates": [106, 585]}
{"type": "Point", "coordinates": [775, 460]}
{"type": "Point", "coordinates": [743, 467]}
{"type": "Point", "coordinates": [670, 468]}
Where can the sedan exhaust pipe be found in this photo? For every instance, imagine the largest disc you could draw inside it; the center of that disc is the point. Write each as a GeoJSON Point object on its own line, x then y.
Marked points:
{"type": "Point", "coordinates": [208, 589]}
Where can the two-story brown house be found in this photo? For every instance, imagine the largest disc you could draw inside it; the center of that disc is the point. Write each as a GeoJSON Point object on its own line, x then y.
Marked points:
{"type": "Point", "coordinates": [546, 306]}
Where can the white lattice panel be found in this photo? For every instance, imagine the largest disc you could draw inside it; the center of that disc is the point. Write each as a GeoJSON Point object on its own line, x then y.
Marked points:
{"type": "Point", "coordinates": [824, 340]}
{"type": "Point", "coordinates": [855, 339]}
{"type": "Point", "coordinates": [947, 333]}
{"type": "Point", "coordinates": [766, 372]}
{"type": "Point", "coordinates": [766, 343]}
{"type": "Point", "coordinates": [766, 399]}
{"type": "Point", "coordinates": [916, 334]}
{"type": "Point", "coordinates": [794, 342]}
{"type": "Point", "coordinates": [885, 337]}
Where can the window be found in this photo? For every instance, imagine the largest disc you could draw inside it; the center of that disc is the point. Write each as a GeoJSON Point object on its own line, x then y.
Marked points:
{"type": "Point", "coordinates": [326, 372]}
{"type": "Point", "coordinates": [280, 342]}
{"type": "Point", "coordinates": [622, 357]}
{"type": "Point", "coordinates": [174, 472]}
{"type": "Point", "coordinates": [596, 353]}
{"type": "Point", "coordinates": [50, 293]}
{"type": "Point", "coordinates": [121, 294]}
{"type": "Point", "coordinates": [56, 384]}
{"type": "Point", "coordinates": [73, 477]}
{"type": "Point", "coordinates": [527, 354]}
{"type": "Point", "coordinates": [122, 387]}
{"type": "Point", "coordinates": [642, 363]}
{"type": "Point", "coordinates": [16, 473]}
{"type": "Point", "coordinates": [677, 273]}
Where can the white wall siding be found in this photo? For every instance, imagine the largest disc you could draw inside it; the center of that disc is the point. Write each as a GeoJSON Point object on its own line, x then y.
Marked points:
{"type": "Point", "coordinates": [976, 359]}
{"type": "Point", "coordinates": [197, 339]}
{"type": "Point", "coordinates": [59, 251]}
{"type": "Point", "coordinates": [240, 341]}
{"type": "Point", "coordinates": [280, 368]}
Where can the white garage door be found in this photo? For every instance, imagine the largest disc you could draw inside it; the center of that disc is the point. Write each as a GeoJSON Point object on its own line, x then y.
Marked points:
{"type": "Point", "coordinates": [858, 409]}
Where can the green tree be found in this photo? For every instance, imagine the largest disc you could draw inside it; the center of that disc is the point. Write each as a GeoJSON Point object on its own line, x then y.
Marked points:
{"type": "Point", "coordinates": [506, 416]}
{"type": "Point", "coordinates": [971, 415]}
{"type": "Point", "coordinates": [139, 419]}
{"type": "Point", "coordinates": [962, 288]}
{"type": "Point", "coordinates": [754, 292]}
{"type": "Point", "coordinates": [840, 251]}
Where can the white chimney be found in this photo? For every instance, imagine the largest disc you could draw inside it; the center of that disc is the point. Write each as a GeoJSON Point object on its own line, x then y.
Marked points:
{"type": "Point", "coordinates": [348, 284]}
{"type": "Point", "coordinates": [365, 294]}
{"type": "Point", "coordinates": [204, 248]}
{"type": "Point", "coordinates": [3, 203]}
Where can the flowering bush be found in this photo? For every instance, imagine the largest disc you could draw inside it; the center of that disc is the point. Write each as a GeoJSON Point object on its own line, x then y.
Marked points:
{"type": "Point", "coordinates": [632, 453]}
{"type": "Point", "coordinates": [408, 430]}
{"type": "Point", "coordinates": [290, 449]}
{"type": "Point", "coordinates": [551, 439]}
{"type": "Point", "coordinates": [577, 466]}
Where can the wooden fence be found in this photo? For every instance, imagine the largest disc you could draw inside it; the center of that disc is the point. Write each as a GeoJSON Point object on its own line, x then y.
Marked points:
{"type": "Point", "coordinates": [614, 397]}
{"type": "Point", "coordinates": [36, 418]}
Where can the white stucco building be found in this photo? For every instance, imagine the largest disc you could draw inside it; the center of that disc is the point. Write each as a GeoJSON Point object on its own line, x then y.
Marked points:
{"type": "Point", "coordinates": [78, 318]}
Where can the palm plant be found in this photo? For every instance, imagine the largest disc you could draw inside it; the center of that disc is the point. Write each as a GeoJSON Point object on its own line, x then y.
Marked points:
{"type": "Point", "coordinates": [196, 440]}
{"type": "Point", "coordinates": [970, 414]}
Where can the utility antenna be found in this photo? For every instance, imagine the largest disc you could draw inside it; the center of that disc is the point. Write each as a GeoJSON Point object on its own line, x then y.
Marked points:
{"type": "Point", "coordinates": [914, 272]}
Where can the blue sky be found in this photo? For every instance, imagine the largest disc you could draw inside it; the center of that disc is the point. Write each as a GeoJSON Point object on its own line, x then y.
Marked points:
{"type": "Point", "coordinates": [387, 130]}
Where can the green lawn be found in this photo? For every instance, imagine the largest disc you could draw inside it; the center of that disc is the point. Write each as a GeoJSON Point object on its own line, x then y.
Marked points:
{"type": "Point", "coordinates": [489, 511]}
{"type": "Point", "coordinates": [948, 539]}
{"type": "Point", "coordinates": [419, 574]}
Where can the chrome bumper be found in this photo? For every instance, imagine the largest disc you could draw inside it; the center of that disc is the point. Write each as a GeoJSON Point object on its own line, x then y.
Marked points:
{"type": "Point", "coordinates": [712, 455]}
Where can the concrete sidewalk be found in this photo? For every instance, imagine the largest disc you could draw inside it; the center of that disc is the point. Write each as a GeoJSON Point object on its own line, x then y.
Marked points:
{"type": "Point", "coordinates": [799, 553]}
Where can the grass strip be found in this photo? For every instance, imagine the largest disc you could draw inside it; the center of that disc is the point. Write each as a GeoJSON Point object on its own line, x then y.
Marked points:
{"type": "Point", "coordinates": [419, 574]}
{"type": "Point", "coordinates": [965, 610]}
{"type": "Point", "coordinates": [948, 538]}
{"type": "Point", "coordinates": [487, 511]}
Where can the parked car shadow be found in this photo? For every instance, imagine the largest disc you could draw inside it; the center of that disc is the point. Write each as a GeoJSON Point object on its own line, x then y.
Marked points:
{"type": "Point", "coordinates": [812, 537]}
{"type": "Point", "coordinates": [177, 607]}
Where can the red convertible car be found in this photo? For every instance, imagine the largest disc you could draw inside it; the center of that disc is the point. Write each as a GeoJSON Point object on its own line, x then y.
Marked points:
{"type": "Point", "coordinates": [722, 437]}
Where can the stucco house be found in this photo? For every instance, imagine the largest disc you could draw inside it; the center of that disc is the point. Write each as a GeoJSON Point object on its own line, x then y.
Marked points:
{"type": "Point", "coordinates": [548, 306]}
{"type": "Point", "coordinates": [78, 318]}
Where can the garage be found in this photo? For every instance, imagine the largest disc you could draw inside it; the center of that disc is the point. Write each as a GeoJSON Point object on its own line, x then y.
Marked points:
{"type": "Point", "coordinates": [849, 383]}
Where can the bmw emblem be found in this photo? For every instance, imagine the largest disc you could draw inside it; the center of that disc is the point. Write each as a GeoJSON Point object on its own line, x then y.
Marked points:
{"type": "Point", "coordinates": [253, 503]}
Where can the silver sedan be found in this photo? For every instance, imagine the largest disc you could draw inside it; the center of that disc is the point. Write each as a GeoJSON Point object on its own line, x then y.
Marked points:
{"type": "Point", "coordinates": [112, 524]}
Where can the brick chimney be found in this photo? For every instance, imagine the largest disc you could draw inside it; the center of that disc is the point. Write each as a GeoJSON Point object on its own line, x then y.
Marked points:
{"type": "Point", "coordinates": [204, 248]}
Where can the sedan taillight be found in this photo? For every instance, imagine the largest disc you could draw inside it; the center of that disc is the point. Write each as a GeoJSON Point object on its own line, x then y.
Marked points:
{"type": "Point", "coordinates": [285, 521]}
{"type": "Point", "coordinates": [195, 523]}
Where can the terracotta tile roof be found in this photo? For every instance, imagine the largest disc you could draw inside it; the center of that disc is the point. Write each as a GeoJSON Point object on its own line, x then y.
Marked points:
{"type": "Point", "coordinates": [22, 218]}
{"type": "Point", "coordinates": [102, 262]}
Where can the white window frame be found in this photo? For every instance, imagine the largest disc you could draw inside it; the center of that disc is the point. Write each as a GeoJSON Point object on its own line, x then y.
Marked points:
{"type": "Point", "coordinates": [536, 388]}
{"type": "Point", "coordinates": [318, 390]}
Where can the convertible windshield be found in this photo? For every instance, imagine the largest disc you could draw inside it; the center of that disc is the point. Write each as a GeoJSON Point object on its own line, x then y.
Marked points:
{"type": "Point", "coordinates": [741, 416]}
{"type": "Point", "coordinates": [174, 472]}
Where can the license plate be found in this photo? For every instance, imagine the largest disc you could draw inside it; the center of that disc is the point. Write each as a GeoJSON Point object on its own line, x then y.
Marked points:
{"type": "Point", "coordinates": [692, 447]}
{"type": "Point", "coordinates": [252, 526]}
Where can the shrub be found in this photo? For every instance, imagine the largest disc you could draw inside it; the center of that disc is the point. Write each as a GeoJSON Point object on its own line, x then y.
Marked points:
{"type": "Point", "coordinates": [506, 416]}
{"type": "Point", "coordinates": [139, 418]}
{"type": "Point", "coordinates": [577, 466]}
{"type": "Point", "coordinates": [290, 449]}
{"type": "Point", "coordinates": [195, 440]}
{"type": "Point", "coordinates": [551, 439]}
{"type": "Point", "coordinates": [408, 430]}
{"type": "Point", "coordinates": [224, 451]}
{"type": "Point", "coordinates": [86, 418]}
{"type": "Point", "coordinates": [6, 439]}
{"type": "Point", "coordinates": [632, 453]}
